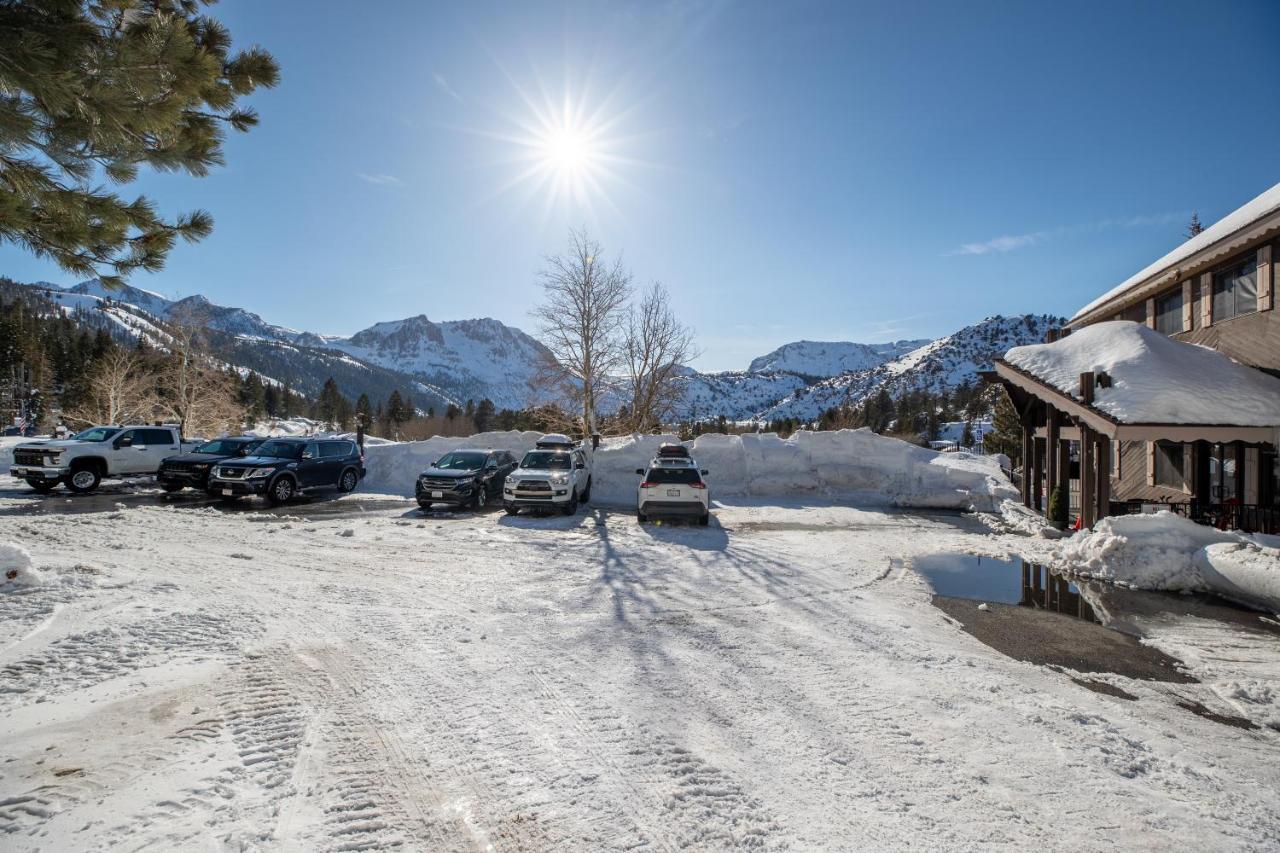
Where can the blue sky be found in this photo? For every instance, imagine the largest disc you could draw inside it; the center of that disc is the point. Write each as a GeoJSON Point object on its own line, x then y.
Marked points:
{"type": "Point", "coordinates": [838, 171]}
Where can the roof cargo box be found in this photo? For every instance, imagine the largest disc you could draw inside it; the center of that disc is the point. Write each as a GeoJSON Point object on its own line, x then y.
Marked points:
{"type": "Point", "coordinates": [673, 451]}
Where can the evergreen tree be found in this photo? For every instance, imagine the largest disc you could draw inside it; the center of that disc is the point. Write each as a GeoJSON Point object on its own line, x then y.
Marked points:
{"type": "Point", "coordinates": [1006, 431]}
{"type": "Point", "coordinates": [1194, 227]}
{"type": "Point", "coordinates": [484, 415]}
{"type": "Point", "coordinates": [94, 90]}
{"type": "Point", "coordinates": [329, 404]}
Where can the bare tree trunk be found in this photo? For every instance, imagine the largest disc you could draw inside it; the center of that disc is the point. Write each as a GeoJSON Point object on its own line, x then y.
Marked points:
{"type": "Point", "coordinates": [121, 390]}
{"type": "Point", "coordinates": [581, 318]}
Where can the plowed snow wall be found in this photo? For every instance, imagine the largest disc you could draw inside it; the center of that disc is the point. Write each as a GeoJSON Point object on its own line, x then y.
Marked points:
{"type": "Point", "coordinates": [857, 466]}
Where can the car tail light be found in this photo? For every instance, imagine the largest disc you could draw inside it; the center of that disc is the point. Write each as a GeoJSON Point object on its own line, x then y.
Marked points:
{"type": "Point", "coordinates": [647, 485]}
{"type": "Point", "coordinates": [698, 485]}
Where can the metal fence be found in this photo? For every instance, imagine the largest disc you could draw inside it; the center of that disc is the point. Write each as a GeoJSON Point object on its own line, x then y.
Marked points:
{"type": "Point", "coordinates": [1251, 518]}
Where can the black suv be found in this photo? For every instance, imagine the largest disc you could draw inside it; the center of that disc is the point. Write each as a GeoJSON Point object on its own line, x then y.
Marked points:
{"type": "Point", "coordinates": [465, 478]}
{"type": "Point", "coordinates": [282, 468]}
{"type": "Point", "coordinates": [192, 469]}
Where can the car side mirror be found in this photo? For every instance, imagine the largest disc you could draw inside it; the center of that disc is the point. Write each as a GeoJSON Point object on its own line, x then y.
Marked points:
{"type": "Point", "coordinates": [124, 441]}
{"type": "Point", "coordinates": [704, 472]}
{"type": "Point", "coordinates": [640, 471]}
{"type": "Point", "coordinates": [307, 454]}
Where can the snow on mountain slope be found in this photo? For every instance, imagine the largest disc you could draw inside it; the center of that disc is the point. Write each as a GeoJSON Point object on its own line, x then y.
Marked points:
{"type": "Point", "coordinates": [830, 358]}
{"type": "Point", "coordinates": [474, 358]}
{"type": "Point", "coordinates": [943, 364]}
{"type": "Point", "coordinates": [736, 394]}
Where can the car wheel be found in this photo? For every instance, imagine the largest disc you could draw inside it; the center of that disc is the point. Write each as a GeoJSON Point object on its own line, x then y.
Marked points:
{"type": "Point", "coordinates": [84, 480]}
{"type": "Point", "coordinates": [281, 491]}
{"type": "Point", "coordinates": [571, 506]}
{"type": "Point", "coordinates": [42, 486]}
{"type": "Point", "coordinates": [704, 519]}
{"type": "Point", "coordinates": [641, 517]}
{"type": "Point", "coordinates": [481, 497]}
{"type": "Point", "coordinates": [511, 510]}
{"type": "Point", "coordinates": [348, 481]}
{"type": "Point", "coordinates": [172, 487]}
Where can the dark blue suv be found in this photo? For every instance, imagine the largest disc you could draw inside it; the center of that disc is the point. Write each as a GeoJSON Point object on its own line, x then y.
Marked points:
{"type": "Point", "coordinates": [282, 468]}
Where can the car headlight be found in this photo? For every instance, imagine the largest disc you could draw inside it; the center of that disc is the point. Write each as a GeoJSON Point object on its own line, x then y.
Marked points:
{"type": "Point", "coordinates": [259, 472]}
{"type": "Point", "coordinates": [53, 458]}
{"type": "Point", "coordinates": [560, 479]}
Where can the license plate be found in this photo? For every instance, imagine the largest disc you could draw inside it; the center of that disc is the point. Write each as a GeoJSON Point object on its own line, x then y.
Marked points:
{"type": "Point", "coordinates": [673, 493]}
{"type": "Point", "coordinates": [228, 492]}
{"type": "Point", "coordinates": [437, 494]}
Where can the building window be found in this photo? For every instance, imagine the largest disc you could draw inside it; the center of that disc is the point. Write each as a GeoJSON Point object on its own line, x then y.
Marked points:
{"type": "Point", "coordinates": [1235, 291]}
{"type": "Point", "coordinates": [1168, 467]}
{"type": "Point", "coordinates": [1169, 313]}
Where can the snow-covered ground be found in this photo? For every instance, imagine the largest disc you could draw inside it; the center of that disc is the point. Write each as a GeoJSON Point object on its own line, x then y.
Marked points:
{"type": "Point", "coordinates": [354, 675]}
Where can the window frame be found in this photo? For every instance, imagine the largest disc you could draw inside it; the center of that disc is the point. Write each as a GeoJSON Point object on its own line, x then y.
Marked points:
{"type": "Point", "coordinates": [1179, 470]}
{"type": "Point", "coordinates": [1175, 314]}
{"type": "Point", "coordinates": [1219, 276]}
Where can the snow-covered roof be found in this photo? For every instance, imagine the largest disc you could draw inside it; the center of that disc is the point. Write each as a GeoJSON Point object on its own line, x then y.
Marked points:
{"type": "Point", "coordinates": [1155, 379]}
{"type": "Point", "coordinates": [1263, 205]}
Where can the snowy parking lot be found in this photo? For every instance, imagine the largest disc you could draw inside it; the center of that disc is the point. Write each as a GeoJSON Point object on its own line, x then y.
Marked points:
{"type": "Point", "coordinates": [352, 674]}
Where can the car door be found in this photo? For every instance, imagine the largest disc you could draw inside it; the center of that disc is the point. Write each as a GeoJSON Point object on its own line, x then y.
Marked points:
{"type": "Point", "coordinates": [128, 453]}
{"type": "Point", "coordinates": [493, 475]}
{"type": "Point", "coordinates": [310, 466]}
{"type": "Point", "coordinates": [160, 443]}
{"type": "Point", "coordinates": [333, 457]}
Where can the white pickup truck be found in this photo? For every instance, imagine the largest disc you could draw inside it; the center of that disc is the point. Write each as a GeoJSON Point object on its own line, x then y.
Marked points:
{"type": "Point", "coordinates": [98, 453]}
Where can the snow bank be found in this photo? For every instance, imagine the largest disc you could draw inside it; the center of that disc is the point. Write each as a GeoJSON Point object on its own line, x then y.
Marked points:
{"type": "Point", "coordinates": [1165, 551]}
{"type": "Point", "coordinates": [288, 427]}
{"type": "Point", "coordinates": [16, 571]}
{"type": "Point", "coordinates": [393, 468]}
{"type": "Point", "coordinates": [1155, 379]}
{"type": "Point", "coordinates": [855, 465]}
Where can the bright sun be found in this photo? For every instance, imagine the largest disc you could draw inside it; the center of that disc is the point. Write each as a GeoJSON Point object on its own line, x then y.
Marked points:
{"type": "Point", "coordinates": [567, 150]}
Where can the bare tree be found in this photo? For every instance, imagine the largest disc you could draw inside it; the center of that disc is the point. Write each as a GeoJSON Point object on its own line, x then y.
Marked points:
{"type": "Point", "coordinates": [656, 346]}
{"type": "Point", "coordinates": [582, 318]}
{"type": "Point", "coordinates": [194, 390]}
{"type": "Point", "coordinates": [121, 390]}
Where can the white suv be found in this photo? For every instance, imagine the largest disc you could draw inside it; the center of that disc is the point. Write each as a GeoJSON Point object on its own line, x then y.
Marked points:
{"type": "Point", "coordinates": [555, 474]}
{"type": "Point", "coordinates": [673, 485]}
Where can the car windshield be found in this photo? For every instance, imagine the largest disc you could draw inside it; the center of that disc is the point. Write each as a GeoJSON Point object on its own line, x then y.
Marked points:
{"type": "Point", "coordinates": [280, 449]}
{"type": "Point", "coordinates": [462, 461]}
{"type": "Point", "coordinates": [227, 447]}
{"type": "Point", "coordinates": [545, 459]}
{"type": "Point", "coordinates": [95, 434]}
{"type": "Point", "coordinates": [673, 475]}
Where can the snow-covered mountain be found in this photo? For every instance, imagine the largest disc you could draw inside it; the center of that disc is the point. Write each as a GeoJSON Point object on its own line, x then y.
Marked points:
{"type": "Point", "coordinates": [824, 359]}
{"type": "Point", "coordinates": [939, 365]}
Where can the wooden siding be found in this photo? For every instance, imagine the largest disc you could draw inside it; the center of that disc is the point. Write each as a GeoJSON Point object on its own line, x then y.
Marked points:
{"type": "Point", "coordinates": [1132, 483]}
{"type": "Point", "coordinates": [1252, 339]}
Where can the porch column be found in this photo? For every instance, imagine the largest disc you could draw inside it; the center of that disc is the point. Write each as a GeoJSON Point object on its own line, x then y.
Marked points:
{"type": "Point", "coordinates": [1088, 499]}
{"type": "Point", "coordinates": [1028, 450]}
{"type": "Point", "coordinates": [1037, 475]}
{"type": "Point", "coordinates": [1064, 470]}
{"type": "Point", "coordinates": [1201, 480]}
{"type": "Point", "coordinates": [1238, 447]}
{"type": "Point", "coordinates": [1104, 476]}
{"type": "Point", "coordinates": [1051, 451]}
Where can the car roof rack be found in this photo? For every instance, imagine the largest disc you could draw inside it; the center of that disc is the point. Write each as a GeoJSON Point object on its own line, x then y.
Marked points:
{"type": "Point", "coordinates": [669, 451]}
{"type": "Point", "coordinates": [555, 441]}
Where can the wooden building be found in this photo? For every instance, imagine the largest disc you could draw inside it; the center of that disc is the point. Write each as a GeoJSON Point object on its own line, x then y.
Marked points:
{"type": "Point", "coordinates": [1152, 417]}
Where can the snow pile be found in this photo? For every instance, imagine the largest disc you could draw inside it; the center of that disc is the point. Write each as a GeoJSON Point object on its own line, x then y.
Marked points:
{"type": "Point", "coordinates": [1155, 379]}
{"type": "Point", "coordinates": [286, 427]}
{"type": "Point", "coordinates": [1165, 551]}
{"type": "Point", "coordinates": [855, 465]}
{"type": "Point", "coordinates": [393, 468]}
{"type": "Point", "coordinates": [16, 571]}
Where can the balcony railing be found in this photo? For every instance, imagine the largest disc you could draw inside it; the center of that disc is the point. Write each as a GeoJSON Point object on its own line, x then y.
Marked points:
{"type": "Point", "coordinates": [1228, 515]}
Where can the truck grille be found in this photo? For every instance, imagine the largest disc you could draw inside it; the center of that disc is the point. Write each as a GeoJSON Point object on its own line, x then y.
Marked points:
{"type": "Point", "coordinates": [533, 489]}
{"type": "Point", "coordinates": [177, 467]}
{"type": "Point", "coordinates": [231, 473]}
{"type": "Point", "coordinates": [28, 457]}
{"type": "Point", "coordinates": [440, 483]}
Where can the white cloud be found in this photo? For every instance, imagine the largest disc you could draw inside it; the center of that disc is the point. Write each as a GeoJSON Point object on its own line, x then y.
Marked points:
{"type": "Point", "coordinates": [442, 83]}
{"type": "Point", "coordinates": [1005, 243]}
{"type": "Point", "coordinates": [380, 180]}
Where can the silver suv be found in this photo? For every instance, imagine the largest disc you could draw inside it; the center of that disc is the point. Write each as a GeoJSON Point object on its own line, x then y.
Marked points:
{"type": "Point", "coordinates": [556, 474]}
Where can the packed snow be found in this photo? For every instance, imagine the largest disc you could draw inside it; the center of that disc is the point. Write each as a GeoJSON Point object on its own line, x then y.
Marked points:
{"type": "Point", "coordinates": [830, 358]}
{"type": "Point", "coordinates": [1165, 551]}
{"type": "Point", "coordinates": [1154, 378]}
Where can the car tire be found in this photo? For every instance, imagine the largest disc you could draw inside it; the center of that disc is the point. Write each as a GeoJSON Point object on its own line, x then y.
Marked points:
{"type": "Point", "coordinates": [281, 490]}
{"type": "Point", "coordinates": [172, 487]}
{"type": "Point", "coordinates": [42, 486]}
{"type": "Point", "coordinates": [586, 493]}
{"type": "Point", "coordinates": [349, 480]}
{"type": "Point", "coordinates": [641, 517]}
{"type": "Point", "coordinates": [511, 510]}
{"type": "Point", "coordinates": [571, 505]}
{"type": "Point", "coordinates": [481, 496]}
{"type": "Point", "coordinates": [704, 519]}
{"type": "Point", "coordinates": [83, 480]}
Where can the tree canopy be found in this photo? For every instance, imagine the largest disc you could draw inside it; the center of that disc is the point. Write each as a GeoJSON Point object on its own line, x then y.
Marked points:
{"type": "Point", "coordinates": [90, 90]}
